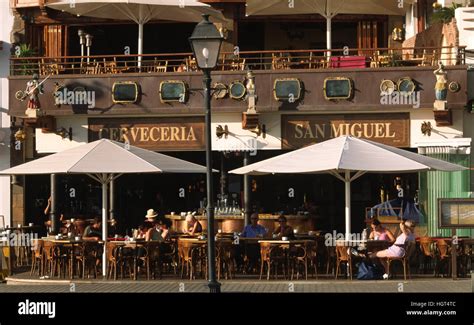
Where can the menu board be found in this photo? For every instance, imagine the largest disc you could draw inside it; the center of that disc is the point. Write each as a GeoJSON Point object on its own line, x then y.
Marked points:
{"type": "Point", "coordinates": [456, 213]}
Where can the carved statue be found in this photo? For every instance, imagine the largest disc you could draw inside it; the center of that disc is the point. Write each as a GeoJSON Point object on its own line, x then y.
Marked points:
{"type": "Point", "coordinates": [251, 92]}
{"type": "Point", "coordinates": [441, 88]}
{"type": "Point", "coordinates": [33, 89]}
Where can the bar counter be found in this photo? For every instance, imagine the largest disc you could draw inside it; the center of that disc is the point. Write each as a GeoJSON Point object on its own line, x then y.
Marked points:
{"type": "Point", "coordinates": [235, 223]}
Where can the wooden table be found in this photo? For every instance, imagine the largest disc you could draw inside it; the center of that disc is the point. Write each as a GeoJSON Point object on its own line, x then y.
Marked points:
{"type": "Point", "coordinates": [70, 245]}
{"type": "Point", "coordinates": [410, 62]}
{"type": "Point", "coordinates": [286, 245]}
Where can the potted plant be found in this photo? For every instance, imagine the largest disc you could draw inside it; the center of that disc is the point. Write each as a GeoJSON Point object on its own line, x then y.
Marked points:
{"type": "Point", "coordinates": [26, 66]}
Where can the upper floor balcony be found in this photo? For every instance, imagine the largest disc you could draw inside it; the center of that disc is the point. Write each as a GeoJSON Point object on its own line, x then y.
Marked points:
{"type": "Point", "coordinates": [367, 69]}
{"type": "Point", "coordinates": [239, 61]}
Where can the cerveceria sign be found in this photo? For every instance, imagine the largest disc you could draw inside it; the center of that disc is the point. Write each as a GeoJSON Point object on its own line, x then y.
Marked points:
{"type": "Point", "coordinates": [186, 133]}
{"type": "Point", "coordinates": [301, 130]}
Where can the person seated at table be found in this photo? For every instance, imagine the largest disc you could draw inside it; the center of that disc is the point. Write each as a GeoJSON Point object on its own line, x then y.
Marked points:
{"type": "Point", "coordinates": [142, 231]}
{"type": "Point", "coordinates": [150, 218]}
{"type": "Point", "coordinates": [160, 231]}
{"type": "Point", "coordinates": [112, 229]}
{"type": "Point", "coordinates": [193, 226]}
{"type": "Point", "coordinates": [94, 230]}
{"type": "Point", "coordinates": [398, 248]}
{"type": "Point", "coordinates": [47, 210]}
{"type": "Point", "coordinates": [254, 230]}
{"type": "Point", "coordinates": [283, 230]}
{"type": "Point", "coordinates": [182, 68]}
{"type": "Point", "coordinates": [380, 233]}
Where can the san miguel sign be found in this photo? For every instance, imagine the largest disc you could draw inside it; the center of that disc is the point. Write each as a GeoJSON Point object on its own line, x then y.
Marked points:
{"type": "Point", "coordinates": [185, 133]}
{"type": "Point", "coordinates": [301, 130]}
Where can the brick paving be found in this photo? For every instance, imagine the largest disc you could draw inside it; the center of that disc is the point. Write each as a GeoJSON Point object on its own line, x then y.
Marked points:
{"type": "Point", "coordinates": [244, 285]}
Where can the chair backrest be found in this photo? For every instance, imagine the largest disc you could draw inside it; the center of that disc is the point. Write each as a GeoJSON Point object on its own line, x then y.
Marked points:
{"type": "Point", "coordinates": [185, 249]}
{"type": "Point", "coordinates": [265, 250]}
{"type": "Point", "coordinates": [37, 247]}
{"type": "Point", "coordinates": [162, 68]}
{"type": "Point", "coordinates": [342, 252]}
{"type": "Point", "coordinates": [426, 246]}
{"type": "Point", "coordinates": [428, 58]}
{"type": "Point", "coordinates": [191, 64]}
{"type": "Point", "coordinates": [410, 249]}
{"type": "Point", "coordinates": [153, 249]}
{"type": "Point", "coordinates": [443, 248]}
{"type": "Point", "coordinates": [48, 249]}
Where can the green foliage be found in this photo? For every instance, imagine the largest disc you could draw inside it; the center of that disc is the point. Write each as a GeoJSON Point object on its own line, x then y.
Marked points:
{"type": "Point", "coordinates": [26, 66]}
{"type": "Point", "coordinates": [444, 15]}
{"type": "Point", "coordinates": [24, 50]}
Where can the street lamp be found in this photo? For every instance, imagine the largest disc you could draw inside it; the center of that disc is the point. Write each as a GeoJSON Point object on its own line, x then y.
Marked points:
{"type": "Point", "coordinates": [206, 43]}
{"type": "Point", "coordinates": [82, 41]}
{"type": "Point", "coordinates": [89, 38]}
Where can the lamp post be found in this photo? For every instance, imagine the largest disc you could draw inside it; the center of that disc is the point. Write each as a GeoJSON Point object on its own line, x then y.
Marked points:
{"type": "Point", "coordinates": [89, 38]}
{"type": "Point", "coordinates": [82, 42]}
{"type": "Point", "coordinates": [206, 43]}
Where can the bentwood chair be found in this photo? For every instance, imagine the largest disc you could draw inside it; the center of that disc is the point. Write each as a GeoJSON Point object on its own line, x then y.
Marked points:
{"type": "Point", "coordinates": [410, 248]}
{"type": "Point", "coordinates": [427, 254]}
{"type": "Point", "coordinates": [37, 258]}
{"type": "Point", "coordinates": [169, 258]}
{"type": "Point", "coordinates": [300, 256]}
{"type": "Point", "coordinates": [312, 256]}
{"type": "Point", "coordinates": [187, 255]}
{"type": "Point", "coordinates": [151, 259]}
{"type": "Point", "coordinates": [113, 257]}
{"type": "Point", "coordinates": [273, 257]}
{"type": "Point", "coordinates": [225, 258]}
{"type": "Point", "coordinates": [343, 255]}
{"type": "Point", "coordinates": [443, 257]}
{"type": "Point", "coordinates": [88, 253]}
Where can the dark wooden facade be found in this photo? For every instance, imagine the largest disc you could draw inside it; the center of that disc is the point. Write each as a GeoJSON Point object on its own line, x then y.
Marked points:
{"type": "Point", "coordinates": [366, 92]}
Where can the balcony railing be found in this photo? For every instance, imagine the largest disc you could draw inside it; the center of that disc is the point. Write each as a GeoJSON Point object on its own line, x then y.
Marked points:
{"type": "Point", "coordinates": [253, 60]}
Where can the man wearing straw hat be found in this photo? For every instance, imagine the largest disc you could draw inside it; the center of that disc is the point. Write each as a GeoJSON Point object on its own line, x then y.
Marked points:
{"type": "Point", "coordinates": [150, 218]}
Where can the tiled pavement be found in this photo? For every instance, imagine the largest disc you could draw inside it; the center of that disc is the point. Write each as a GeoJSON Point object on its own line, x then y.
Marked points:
{"type": "Point", "coordinates": [251, 286]}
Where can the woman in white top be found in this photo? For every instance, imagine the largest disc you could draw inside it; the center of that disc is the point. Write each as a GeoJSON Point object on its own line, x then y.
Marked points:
{"type": "Point", "coordinates": [398, 248]}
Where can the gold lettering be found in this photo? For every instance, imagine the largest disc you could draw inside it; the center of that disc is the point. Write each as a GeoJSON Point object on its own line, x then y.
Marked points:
{"type": "Point", "coordinates": [298, 131]}
{"type": "Point", "coordinates": [387, 130]}
{"type": "Point", "coordinates": [183, 133]}
{"type": "Point", "coordinates": [134, 132]}
{"type": "Point", "coordinates": [357, 133]}
{"type": "Point", "coordinates": [321, 131]}
{"type": "Point", "coordinates": [379, 130]}
{"type": "Point", "coordinates": [152, 132]}
{"type": "Point", "coordinates": [366, 132]}
{"type": "Point", "coordinates": [114, 133]}
{"type": "Point", "coordinates": [191, 135]}
{"type": "Point", "coordinates": [337, 132]}
{"type": "Point", "coordinates": [101, 133]}
{"type": "Point", "coordinates": [164, 133]}
{"type": "Point", "coordinates": [144, 135]}
{"type": "Point", "coordinates": [124, 135]}
{"type": "Point", "coordinates": [174, 133]}
{"type": "Point", "coordinates": [309, 133]}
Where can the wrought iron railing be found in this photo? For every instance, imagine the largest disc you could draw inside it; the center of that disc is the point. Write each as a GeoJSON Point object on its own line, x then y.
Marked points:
{"type": "Point", "coordinates": [253, 60]}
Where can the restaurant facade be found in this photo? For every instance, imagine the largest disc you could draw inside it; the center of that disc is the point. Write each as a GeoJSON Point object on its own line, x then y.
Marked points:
{"type": "Point", "coordinates": [270, 96]}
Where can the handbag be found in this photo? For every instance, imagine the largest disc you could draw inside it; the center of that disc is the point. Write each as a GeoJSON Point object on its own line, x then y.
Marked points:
{"type": "Point", "coordinates": [369, 271]}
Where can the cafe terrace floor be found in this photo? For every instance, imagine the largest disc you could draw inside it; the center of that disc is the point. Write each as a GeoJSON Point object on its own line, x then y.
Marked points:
{"type": "Point", "coordinates": [23, 282]}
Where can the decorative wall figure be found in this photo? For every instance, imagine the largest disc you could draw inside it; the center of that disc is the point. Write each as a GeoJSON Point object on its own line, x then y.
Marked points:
{"type": "Point", "coordinates": [441, 88]}
{"type": "Point", "coordinates": [251, 96]}
{"type": "Point", "coordinates": [33, 89]}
